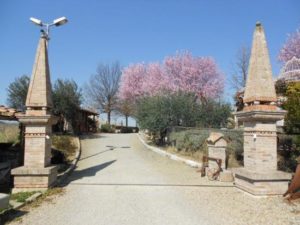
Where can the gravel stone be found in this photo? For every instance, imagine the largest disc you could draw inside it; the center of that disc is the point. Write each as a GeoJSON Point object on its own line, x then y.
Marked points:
{"type": "Point", "coordinates": [137, 186]}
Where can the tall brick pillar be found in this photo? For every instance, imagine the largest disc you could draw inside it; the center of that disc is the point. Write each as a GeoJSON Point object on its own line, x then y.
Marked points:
{"type": "Point", "coordinates": [37, 172]}
{"type": "Point", "coordinates": [260, 175]}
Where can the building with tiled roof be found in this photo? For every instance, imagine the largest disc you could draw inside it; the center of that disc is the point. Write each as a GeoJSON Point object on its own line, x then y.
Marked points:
{"type": "Point", "coordinates": [7, 113]}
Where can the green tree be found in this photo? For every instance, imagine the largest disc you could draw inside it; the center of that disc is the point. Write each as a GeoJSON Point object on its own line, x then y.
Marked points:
{"type": "Point", "coordinates": [292, 105]}
{"type": "Point", "coordinates": [281, 87]}
{"type": "Point", "coordinates": [157, 113]}
{"type": "Point", "coordinates": [17, 92]}
{"type": "Point", "coordinates": [66, 100]}
{"type": "Point", "coordinates": [213, 114]}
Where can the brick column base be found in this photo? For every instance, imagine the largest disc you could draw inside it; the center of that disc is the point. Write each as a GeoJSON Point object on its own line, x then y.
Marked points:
{"type": "Point", "coordinates": [262, 184]}
{"type": "Point", "coordinates": [33, 179]}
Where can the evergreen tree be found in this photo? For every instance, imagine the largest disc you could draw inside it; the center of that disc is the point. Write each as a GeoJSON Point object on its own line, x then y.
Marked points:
{"type": "Point", "coordinates": [17, 92]}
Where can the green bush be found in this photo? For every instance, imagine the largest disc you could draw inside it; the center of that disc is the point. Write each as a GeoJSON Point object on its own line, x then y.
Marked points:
{"type": "Point", "coordinates": [129, 130]}
{"type": "Point", "coordinates": [195, 140]}
{"type": "Point", "coordinates": [9, 133]}
{"type": "Point", "coordinates": [107, 128]}
{"type": "Point", "coordinates": [292, 105]}
{"type": "Point", "coordinates": [190, 140]}
{"type": "Point", "coordinates": [64, 148]}
{"type": "Point", "coordinates": [288, 152]}
{"type": "Point", "coordinates": [235, 147]}
{"type": "Point", "coordinates": [159, 113]}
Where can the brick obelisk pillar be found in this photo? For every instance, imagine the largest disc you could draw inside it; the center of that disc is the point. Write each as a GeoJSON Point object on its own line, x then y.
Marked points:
{"type": "Point", "coordinates": [260, 175]}
{"type": "Point", "coordinates": [37, 172]}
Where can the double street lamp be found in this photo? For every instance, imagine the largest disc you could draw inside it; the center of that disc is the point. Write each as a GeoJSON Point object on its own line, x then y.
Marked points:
{"type": "Point", "coordinates": [57, 22]}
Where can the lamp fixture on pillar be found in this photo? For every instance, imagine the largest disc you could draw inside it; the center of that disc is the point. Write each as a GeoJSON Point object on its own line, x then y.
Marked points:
{"type": "Point", "coordinates": [57, 22]}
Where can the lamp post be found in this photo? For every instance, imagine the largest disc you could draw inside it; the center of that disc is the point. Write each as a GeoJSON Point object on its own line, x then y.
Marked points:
{"type": "Point", "coordinates": [38, 173]}
{"type": "Point", "coordinates": [57, 22]}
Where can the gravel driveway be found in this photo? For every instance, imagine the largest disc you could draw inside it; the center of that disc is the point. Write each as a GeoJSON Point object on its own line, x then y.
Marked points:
{"type": "Point", "coordinates": [119, 182]}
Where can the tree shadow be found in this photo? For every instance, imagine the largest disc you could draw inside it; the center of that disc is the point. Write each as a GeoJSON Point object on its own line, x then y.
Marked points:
{"type": "Point", "coordinates": [88, 172]}
{"type": "Point", "coordinates": [91, 136]}
{"type": "Point", "coordinates": [11, 215]}
{"type": "Point", "coordinates": [94, 155]}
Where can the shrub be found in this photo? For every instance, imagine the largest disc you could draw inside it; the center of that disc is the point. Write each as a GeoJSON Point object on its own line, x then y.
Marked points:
{"type": "Point", "coordinates": [190, 140]}
{"type": "Point", "coordinates": [159, 113]}
{"type": "Point", "coordinates": [235, 147]}
{"type": "Point", "coordinates": [288, 152]}
{"type": "Point", "coordinates": [129, 129]}
{"type": "Point", "coordinates": [107, 128]}
{"type": "Point", "coordinates": [64, 148]}
{"type": "Point", "coordinates": [292, 105]}
{"type": "Point", "coordinates": [195, 140]}
{"type": "Point", "coordinates": [9, 133]}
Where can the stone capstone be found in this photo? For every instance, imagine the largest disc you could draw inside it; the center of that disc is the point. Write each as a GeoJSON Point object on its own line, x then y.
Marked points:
{"type": "Point", "coordinates": [39, 93]}
{"type": "Point", "coordinates": [259, 84]}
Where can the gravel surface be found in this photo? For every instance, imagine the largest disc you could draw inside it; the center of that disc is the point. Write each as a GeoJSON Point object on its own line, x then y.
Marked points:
{"type": "Point", "coordinates": [128, 184]}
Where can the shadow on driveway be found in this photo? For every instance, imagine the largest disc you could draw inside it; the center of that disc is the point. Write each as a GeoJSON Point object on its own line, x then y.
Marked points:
{"type": "Point", "coordinates": [88, 172]}
{"type": "Point", "coordinates": [11, 215]}
{"type": "Point", "coordinates": [91, 136]}
{"type": "Point", "coordinates": [90, 156]}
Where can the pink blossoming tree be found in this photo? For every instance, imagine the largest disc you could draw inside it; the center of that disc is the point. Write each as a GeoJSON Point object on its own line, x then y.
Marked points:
{"type": "Point", "coordinates": [155, 81]}
{"type": "Point", "coordinates": [182, 72]}
{"type": "Point", "coordinates": [132, 79]}
{"type": "Point", "coordinates": [291, 47]}
{"type": "Point", "coordinates": [197, 75]}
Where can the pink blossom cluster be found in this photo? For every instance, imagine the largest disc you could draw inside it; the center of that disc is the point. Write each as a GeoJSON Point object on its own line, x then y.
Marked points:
{"type": "Point", "coordinates": [291, 48]}
{"type": "Point", "coordinates": [182, 72]}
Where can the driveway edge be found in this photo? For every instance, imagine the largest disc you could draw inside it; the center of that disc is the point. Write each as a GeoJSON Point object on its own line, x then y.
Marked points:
{"type": "Point", "coordinates": [17, 205]}
{"type": "Point", "coordinates": [189, 162]}
{"type": "Point", "coordinates": [66, 173]}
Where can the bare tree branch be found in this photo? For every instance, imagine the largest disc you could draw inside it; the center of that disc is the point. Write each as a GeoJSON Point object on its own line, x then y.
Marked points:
{"type": "Point", "coordinates": [240, 68]}
{"type": "Point", "coordinates": [101, 90]}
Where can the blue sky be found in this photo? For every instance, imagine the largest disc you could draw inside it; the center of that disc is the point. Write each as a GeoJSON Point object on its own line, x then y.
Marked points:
{"type": "Point", "coordinates": [134, 31]}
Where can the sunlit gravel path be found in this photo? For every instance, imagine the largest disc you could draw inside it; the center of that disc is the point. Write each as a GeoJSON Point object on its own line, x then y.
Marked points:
{"type": "Point", "coordinates": [119, 182]}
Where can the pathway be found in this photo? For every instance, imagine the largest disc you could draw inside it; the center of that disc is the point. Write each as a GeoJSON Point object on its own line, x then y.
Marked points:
{"type": "Point", "coordinates": [128, 184]}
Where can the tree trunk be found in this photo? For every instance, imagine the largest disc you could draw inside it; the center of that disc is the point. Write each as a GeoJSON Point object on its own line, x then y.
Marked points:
{"type": "Point", "coordinates": [126, 119]}
{"type": "Point", "coordinates": [108, 117]}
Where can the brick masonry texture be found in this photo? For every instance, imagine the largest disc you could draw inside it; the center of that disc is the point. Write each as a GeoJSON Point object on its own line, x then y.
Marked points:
{"type": "Point", "coordinates": [37, 171]}
{"type": "Point", "coordinates": [259, 175]}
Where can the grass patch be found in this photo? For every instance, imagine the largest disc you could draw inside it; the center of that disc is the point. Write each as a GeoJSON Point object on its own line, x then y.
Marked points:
{"type": "Point", "coordinates": [47, 196]}
{"type": "Point", "coordinates": [22, 196]}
